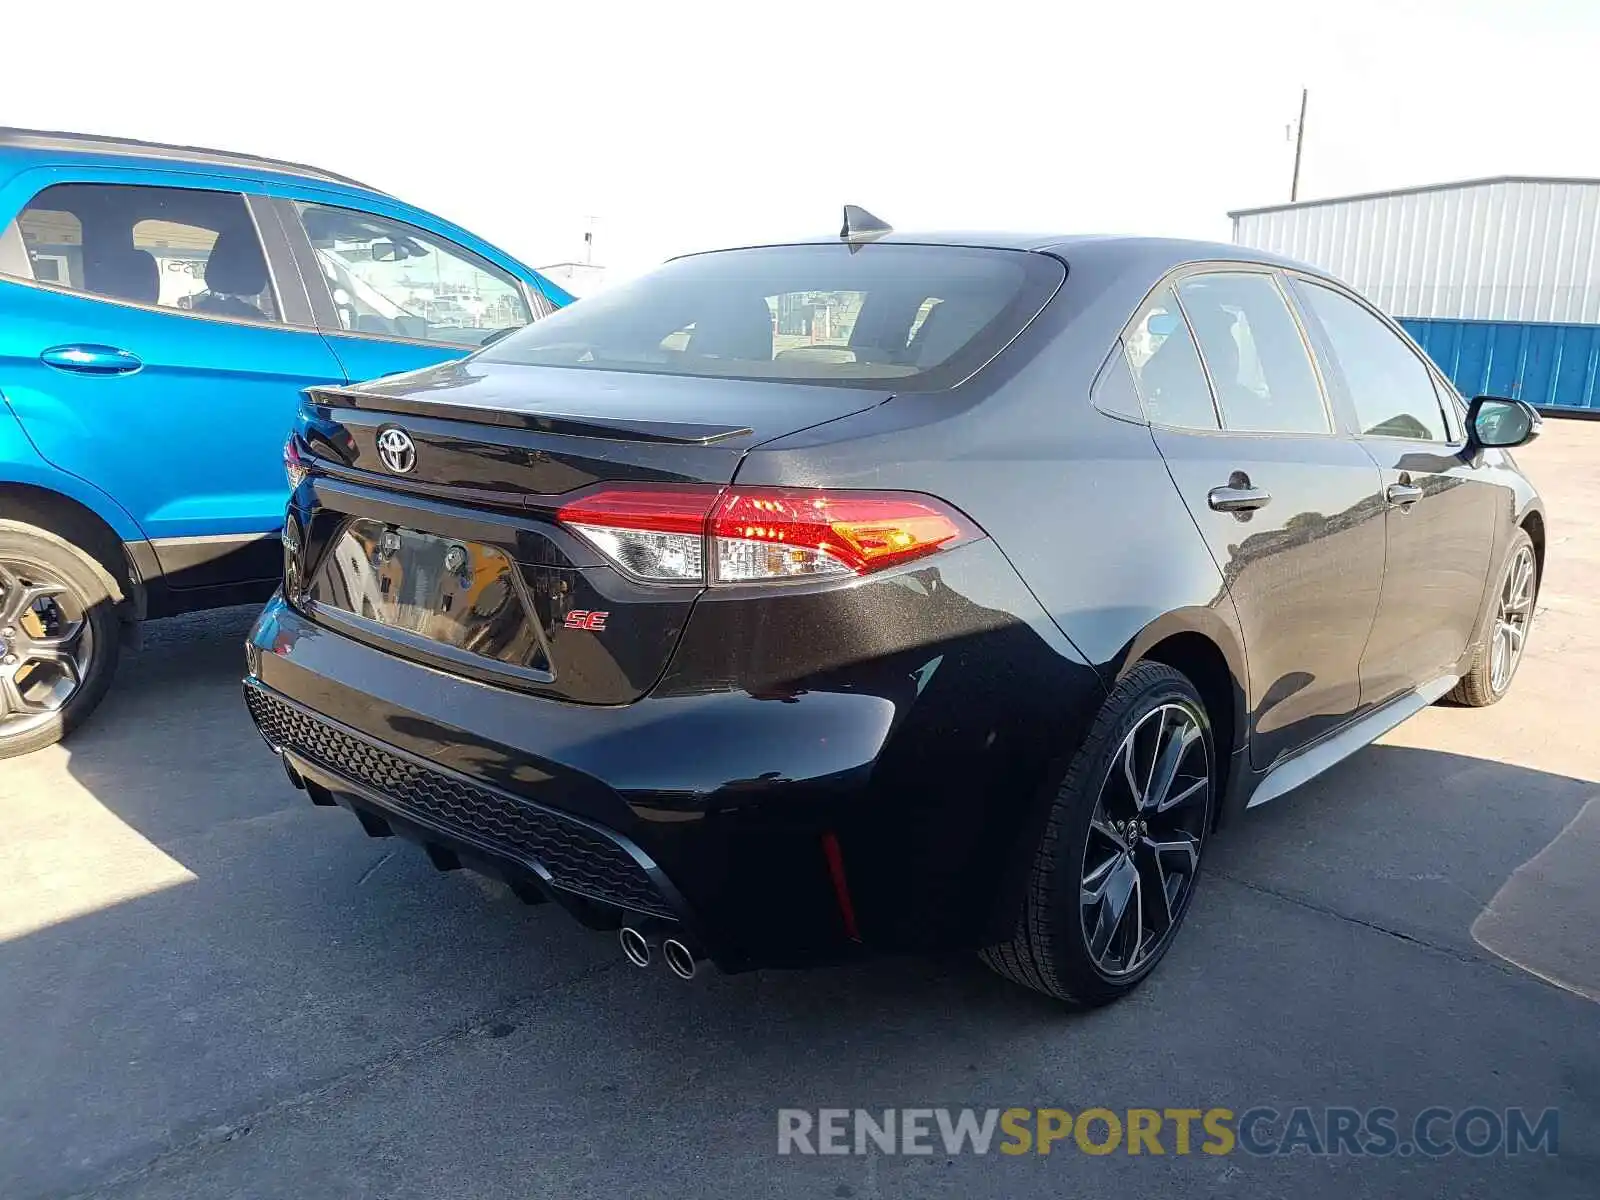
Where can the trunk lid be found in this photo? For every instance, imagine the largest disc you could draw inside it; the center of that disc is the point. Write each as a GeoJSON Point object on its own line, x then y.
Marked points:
{"type": "Point", "coordinates": [519, 430]}
{"type": "Point", "coordinates": [442, 545]}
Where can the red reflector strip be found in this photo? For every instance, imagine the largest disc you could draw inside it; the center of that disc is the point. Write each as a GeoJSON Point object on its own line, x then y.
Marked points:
{"type": "Point", "coordinates": [841, 889]}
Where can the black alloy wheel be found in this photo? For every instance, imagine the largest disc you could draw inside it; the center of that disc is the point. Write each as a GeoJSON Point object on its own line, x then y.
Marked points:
{"type": "Point", "coordinates": [1503, 632]}
{"type": "Point", "coordinates": [1143, 850]}
{"type": "Point", "coordinates": [1513, 616]}
{"type": "Point", "coordinates": [1116, 867]}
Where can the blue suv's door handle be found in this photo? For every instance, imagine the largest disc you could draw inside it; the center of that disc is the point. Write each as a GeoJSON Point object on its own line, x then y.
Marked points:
{"type": "Point", "coordinates": [92, 360]}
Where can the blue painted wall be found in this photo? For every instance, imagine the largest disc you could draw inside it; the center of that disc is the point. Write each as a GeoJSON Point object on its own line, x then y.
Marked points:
{"type": "Point", "coordinates": [1550, 366]}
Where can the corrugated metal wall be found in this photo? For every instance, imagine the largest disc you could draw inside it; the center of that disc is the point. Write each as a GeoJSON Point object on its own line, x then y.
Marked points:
{"type": "Point", "coordinates": [1551, 366]}
{"type": "Point", "coordinates": [1510, 250]}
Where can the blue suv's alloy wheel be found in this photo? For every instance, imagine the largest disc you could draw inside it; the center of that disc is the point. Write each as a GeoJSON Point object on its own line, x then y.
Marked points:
{"type": "Point", "coordinates": [58, 641]}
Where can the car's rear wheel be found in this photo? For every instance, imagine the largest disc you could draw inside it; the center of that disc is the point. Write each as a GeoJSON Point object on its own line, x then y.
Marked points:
{"type": "Point", "coordinates": [58, 637]}
{"type": "Point", "coordinates": [1510, 619]}
{"type": "Point", "coordinates": [1117, 865]}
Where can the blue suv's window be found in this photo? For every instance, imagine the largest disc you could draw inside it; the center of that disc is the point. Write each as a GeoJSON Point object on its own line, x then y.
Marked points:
{"type": "Point", "coordinates": [390, 278]}
{"type": "Point", "coordinates": [53, 240]}
{"type": "Point", "coordinates": [180, 248]}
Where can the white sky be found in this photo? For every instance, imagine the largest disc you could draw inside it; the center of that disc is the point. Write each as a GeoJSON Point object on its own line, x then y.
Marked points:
{"type": "Point", "coordinates": [696, 123]}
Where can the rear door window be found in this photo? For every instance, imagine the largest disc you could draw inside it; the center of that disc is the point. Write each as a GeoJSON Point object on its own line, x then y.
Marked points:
{"type": "Point", "coordinates": [53, 239]}
{"type": "Point", "coordinates": [1255, 355]}
{"type": "Point", "coordinates": [188, 249]}
{"type": "Point", "coordinates": [1166, 368]}
{"type": "Point", "coordinates": [919, 317]}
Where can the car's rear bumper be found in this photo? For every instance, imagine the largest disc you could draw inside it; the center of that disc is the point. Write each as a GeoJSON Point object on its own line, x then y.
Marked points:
{"type": "Point", "coordinates": [455, 815]}
{"type": "Point", "coordinates": [713, 808]}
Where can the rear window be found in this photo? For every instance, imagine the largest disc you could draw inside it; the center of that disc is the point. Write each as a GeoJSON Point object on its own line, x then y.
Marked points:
{"type": "Point", "coordinates": [919, 318]}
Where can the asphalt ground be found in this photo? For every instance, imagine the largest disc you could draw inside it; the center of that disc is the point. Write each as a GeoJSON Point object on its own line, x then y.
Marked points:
{"type": "Point", "coordinates": [211, 989]}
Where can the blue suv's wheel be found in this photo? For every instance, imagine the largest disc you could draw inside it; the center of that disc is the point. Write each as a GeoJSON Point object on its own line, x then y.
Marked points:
{"type": "Point", "coordinates": [58, 637]}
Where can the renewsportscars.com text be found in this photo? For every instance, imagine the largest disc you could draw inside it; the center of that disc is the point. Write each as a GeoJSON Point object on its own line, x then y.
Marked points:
{"type": "Point", "coordinates": [1372, 1132]}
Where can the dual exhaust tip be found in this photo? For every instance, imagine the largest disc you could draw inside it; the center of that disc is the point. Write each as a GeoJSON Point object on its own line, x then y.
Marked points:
{"type": "Point", "coordinates": [638, 946]}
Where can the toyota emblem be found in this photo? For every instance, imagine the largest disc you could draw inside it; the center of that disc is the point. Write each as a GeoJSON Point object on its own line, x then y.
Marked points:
{"type": "Point", "coordinates": [396, 449]}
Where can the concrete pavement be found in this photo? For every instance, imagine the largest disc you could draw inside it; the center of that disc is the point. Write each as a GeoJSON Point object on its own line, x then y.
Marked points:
{"type": "Point", "coordinates": [209, 988]}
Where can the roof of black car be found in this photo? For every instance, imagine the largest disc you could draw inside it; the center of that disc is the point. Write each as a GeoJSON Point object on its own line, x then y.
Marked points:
{"type": "Point", "coordinates": [1178, 250]}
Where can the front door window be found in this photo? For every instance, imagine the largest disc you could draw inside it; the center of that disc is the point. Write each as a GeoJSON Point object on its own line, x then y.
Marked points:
{"type": "Point", "coordinates": [393, 279]}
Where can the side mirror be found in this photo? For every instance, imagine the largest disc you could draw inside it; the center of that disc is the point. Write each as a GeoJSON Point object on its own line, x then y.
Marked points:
{"type": "Point", "coordinates": [387, 252]}
{"type": "Point", "coordinates": [1498, 423]}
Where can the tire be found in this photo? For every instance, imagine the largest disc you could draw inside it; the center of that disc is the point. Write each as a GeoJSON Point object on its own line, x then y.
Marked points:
{"type": "Point", "coordinates": [1054, 947]}
{"type": "Point", "coordinates": [57, 603]}
{"type": "Point", "coordinates": [1510, 606]}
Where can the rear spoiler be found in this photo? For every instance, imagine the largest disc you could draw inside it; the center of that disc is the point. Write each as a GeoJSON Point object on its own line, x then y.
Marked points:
{"type": "Point", "coordinates": [676, 433]}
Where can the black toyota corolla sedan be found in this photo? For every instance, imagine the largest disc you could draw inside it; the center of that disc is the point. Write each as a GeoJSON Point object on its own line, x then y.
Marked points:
{"type": "Point", "coordinates": [890, 592]}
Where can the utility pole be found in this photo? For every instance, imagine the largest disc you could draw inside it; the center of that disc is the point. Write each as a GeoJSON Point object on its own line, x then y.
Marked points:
{"type": "Point", "coordinates": [1299, 143]}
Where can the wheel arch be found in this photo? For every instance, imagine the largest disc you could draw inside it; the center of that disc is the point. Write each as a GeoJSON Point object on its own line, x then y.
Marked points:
{"type": "Point", "coordinates": [1533, 524]}
{"type": "Point", "coordinates": [1197, 642]}
{"type": "Point", "coordinates": [1203, 638]}
{"type": "Point", "coordinates": [1202, 646]}
{"type": "Point", "coordinates": [81, 525]}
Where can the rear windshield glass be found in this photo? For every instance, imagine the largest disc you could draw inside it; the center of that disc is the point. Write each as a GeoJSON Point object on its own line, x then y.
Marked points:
{"type": "Point", "coordinates": [914, 317]}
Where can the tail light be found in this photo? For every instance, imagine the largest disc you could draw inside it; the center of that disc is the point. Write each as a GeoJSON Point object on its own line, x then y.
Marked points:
{"type": "Point", "coordinates": [759, 534]}
{"type": "Point", "coordinates": [702, 534]}
{"type": "Point", "coordinates": [657, 534]}
{"type": "Point", "coordinates": [295, 465]}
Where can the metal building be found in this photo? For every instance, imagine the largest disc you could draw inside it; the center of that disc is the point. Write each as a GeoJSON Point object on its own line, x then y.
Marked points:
{"type": "Point", "coordinates": [1499, 279]}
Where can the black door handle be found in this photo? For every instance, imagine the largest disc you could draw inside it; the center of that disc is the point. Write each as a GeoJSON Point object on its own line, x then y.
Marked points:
{"type": "Point", "coordinates": [1238, 499]}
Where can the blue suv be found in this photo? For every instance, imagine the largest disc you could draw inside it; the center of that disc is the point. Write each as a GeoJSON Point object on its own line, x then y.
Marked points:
{"type": "Point", "coordinates": [161, 307]}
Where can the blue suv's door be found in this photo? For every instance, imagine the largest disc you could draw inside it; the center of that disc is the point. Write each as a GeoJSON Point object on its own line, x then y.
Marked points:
{"type": "Point", "coordinates": [396, 289]}
{"type": "Point", "coordinates": [161, 360]}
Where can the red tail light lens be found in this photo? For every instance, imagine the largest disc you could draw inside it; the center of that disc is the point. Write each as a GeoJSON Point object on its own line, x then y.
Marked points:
{"type": "Point", "coordinates": [652, 533]}
{"type": "Point", "coordinates": [700, 534]}
{"type": "Point", "coordinates": [295, 466]}
{"type": "Point", "coordinates": [763, 534]}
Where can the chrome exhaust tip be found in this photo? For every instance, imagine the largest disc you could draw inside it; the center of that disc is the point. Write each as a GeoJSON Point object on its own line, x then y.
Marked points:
{"type": "Point", "coordinates": [635, 946]}
{"type": "Point", "coordinates": [680, 959]}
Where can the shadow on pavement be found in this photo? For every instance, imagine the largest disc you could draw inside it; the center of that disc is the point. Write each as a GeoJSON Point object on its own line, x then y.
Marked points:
{"type": "Point", "coordinates": [329, 1016]}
